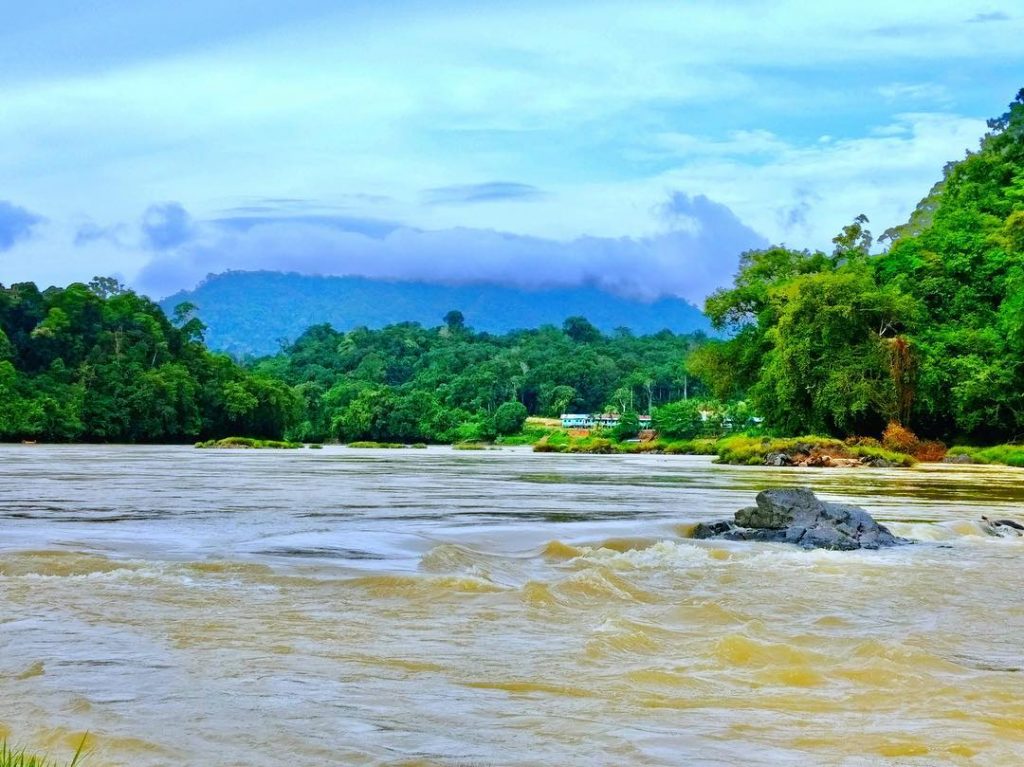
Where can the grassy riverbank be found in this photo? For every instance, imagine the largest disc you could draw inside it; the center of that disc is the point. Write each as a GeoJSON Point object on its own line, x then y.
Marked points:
{"type": "Point", "coordinates": [739, 450]}
{"type": "Point", "coordinates": [899, 448]}
{"type": "Point", "coordinates": [1005, 455]}
{"type": "Point", "coordinates": [248, 443]}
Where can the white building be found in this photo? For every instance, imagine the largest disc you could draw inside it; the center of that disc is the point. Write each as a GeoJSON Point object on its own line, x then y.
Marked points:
{"type": "Point", "coordinates": [577, 421]}
{"type": "Point", "coordinates": [604, 420]}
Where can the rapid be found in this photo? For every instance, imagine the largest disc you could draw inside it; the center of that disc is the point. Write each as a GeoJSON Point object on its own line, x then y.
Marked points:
{"type": "Point", "coordinates": [437, 607]}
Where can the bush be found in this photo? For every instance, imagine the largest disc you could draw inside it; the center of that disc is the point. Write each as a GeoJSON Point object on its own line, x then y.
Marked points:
{"type": "Point", "coordinates": [530, 435]}
{"type": "Point", "coordinates": [563, 442]}
{"type": "Point", "coordinates": [509, 418]}
{"type": "Point", "coordinates": [597, 445]}
{"type": "Point", "coordinates": [679, 420]}
{"type": "Point", "coordinates": [247, 443]}
{"type": "Point", "coordinates": [862, 442]}
{"type": "Point", "coordinates": [931, 451]}
{"type": "Point", "coordinates": [367, 445]}
{"type": "Point", "coordinates": [692, 447]}
{"type": "Point", "coordinates": [899, 439]}
{"type": "Point", "coordinates": [547, 447]}
{"type": "Point", "coordinates": [475, 431]}
{"type": "Point", "coordinates": [682, 447]}
{"type": "Point", "coordinates": [897, 459]}
{"type": "Point", "coordinates": [627, 428]}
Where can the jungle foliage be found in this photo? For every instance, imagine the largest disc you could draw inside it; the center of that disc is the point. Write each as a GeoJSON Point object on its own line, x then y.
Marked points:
{"type": "Point", "coordinates": [406, 383]}
{"type": "Point", "coordinates": [928, 335]}
{"type": "Point", "coordinates": [98, 362]}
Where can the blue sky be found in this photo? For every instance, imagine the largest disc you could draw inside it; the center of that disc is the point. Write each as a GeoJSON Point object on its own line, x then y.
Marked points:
{"type": "Point", "coordinates": [638, 145]}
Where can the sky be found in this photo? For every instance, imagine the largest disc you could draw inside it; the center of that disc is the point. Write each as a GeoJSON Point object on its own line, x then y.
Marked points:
{"type": "Point", "coordinates": [639, 146]}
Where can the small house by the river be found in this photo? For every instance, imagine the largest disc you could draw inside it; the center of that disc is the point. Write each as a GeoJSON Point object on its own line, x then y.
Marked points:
{"type": "Point", "coordinates": [604, 420]}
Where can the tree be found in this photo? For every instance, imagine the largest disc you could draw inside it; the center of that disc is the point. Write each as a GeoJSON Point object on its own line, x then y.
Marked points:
{"type": "Point", "coordinates": [99, 362]}
{"type": "Point", "coordinates": [509, 418]}
{"type": "Point", "coordinates": [854, 241]}
{"type": "Point", "coordinates": [185, 318]}
{"type": "Point", "coordinates": [679, 420]}
{"type": "Point", "coordinates": [455, 321]}
{"type": "Point", "coordinates": [105, 287]}
{"type": "Point", "coordinates": [580, 330]}
{"type": "Point", "coordinates": [628, 426]}
{"type": "Point", "coordinates": [404, 381]}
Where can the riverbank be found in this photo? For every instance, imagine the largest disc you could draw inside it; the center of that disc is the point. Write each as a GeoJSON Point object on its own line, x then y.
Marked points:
{"type": "Point", "coordinates": [739, 450]}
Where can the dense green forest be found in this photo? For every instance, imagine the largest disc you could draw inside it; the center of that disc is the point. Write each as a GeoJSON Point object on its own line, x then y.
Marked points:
{"type": "Point", "coordinates": [929, 335]}
{"type": "Point", "coordinates": [407, 383]}
{"type": "Point", "coordinates": [99, 363]}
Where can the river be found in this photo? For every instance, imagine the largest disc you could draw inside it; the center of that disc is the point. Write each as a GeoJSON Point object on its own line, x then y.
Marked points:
{"type": "Point", "coordinates": [438, 607]}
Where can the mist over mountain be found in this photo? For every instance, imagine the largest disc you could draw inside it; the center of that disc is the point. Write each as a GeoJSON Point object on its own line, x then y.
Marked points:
{"type": "Point", "coordinates": [254, 312]}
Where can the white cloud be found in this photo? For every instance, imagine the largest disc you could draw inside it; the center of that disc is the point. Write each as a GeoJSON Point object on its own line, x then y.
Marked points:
{"type": "Point", "coordinates": [803, 193]}
{"type": "Point", "coordinates": [606, 106]}
{"type": "Point", "coordinates": [689, 259]}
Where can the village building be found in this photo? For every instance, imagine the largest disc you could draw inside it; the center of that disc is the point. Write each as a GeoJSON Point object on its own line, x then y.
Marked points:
{"type": "Point", "coordinates": [577, 421]}
{"type": "Point", "coordinates": [604, 420]}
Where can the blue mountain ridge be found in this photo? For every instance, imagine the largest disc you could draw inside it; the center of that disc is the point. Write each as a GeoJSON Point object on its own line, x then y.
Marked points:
{"type": "Point", "coordinates": [254, 313]}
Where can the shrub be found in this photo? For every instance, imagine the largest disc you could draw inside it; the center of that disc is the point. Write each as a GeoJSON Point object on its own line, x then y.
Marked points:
{"type": "Point", "coordinates": [692, 447]}
{"type": "Point", "coordinates": [548, 447]}
{"type": "Point", "coordinates": [593, 445]}
{"type": "Point", "coordinates": [752, 451]}
{"type": "Point", "coordinates": [249, 444]}
{"type": "Point", "coordinates": [643, 447]}
{"type": "Point", "coordinates": [531, 434]}
{"type": "Point", "coordinates": [679, 420]}
{"type": "Point", "coordinates": [931, 450]}
{"type": "Point", "coordinates": [510, 417]}
{"type": "Point", "coordinates": [627, 428]}
{"type": "Point", "coordinates": [682, 447]}
{"type": "Point", "coordinates": [862, 442]}
{"type": "Point", "coordinates": [897, 459]}
{"type": "Point", "coordinates": [899, 439]}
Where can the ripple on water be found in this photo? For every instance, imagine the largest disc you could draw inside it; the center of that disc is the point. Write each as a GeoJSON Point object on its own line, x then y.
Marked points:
{"type": "Point", "coordinates": [500, 619]}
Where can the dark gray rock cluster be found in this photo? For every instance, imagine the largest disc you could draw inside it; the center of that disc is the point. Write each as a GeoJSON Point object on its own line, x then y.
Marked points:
{"type": "Point", "coordinates": [795, 515]}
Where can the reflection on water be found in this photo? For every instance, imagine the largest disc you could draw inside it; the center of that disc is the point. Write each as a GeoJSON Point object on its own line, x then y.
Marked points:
{"type": "Point", "coordinates": [497, 608]}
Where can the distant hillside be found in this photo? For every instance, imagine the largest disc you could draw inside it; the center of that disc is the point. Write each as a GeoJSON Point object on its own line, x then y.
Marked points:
{"type": "Point", "coordinates": [252, 312]}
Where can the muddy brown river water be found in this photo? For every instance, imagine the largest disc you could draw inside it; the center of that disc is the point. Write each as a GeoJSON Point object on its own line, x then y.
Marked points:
{"type": "Point", "coordinates": [434, 607]}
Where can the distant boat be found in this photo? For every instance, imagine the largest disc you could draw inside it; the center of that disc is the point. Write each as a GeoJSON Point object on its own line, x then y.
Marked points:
{"type": "Point", "coordinates": [28, 442]}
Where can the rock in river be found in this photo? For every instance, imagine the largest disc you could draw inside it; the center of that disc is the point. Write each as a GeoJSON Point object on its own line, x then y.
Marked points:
{"type": "Point", "coordinates": [795, 515]}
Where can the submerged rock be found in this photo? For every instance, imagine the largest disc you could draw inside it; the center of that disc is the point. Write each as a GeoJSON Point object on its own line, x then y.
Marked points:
{"type": "Point", "coordinates": [796, 515]}
{"type": "Point", "coordinates": [1002, 527]}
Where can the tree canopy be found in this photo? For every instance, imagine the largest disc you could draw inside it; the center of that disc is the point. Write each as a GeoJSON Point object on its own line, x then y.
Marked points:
{"type": "Point", "coordinates": [929, 334]}
{"type": "Point", "coordinates": [408, 383]}
{"type": "Point", "coordinates": [98, 362]}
